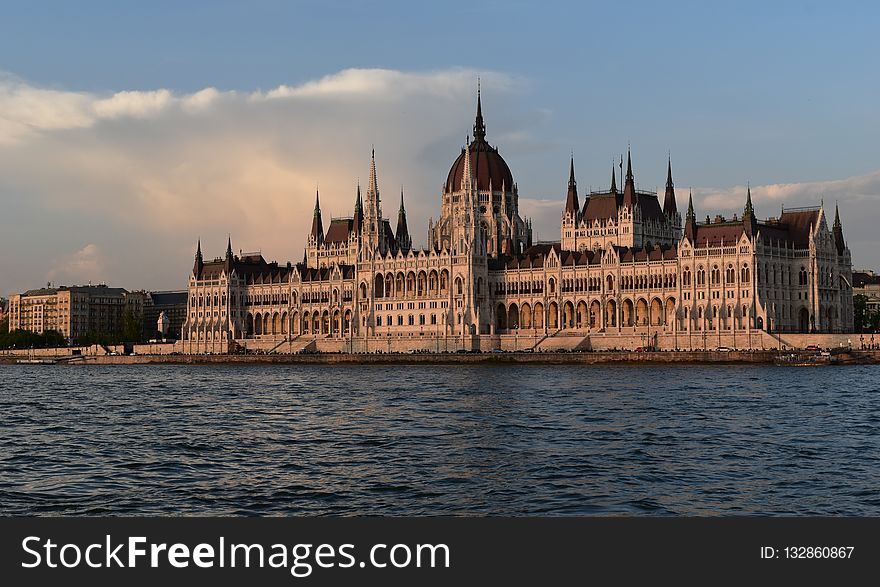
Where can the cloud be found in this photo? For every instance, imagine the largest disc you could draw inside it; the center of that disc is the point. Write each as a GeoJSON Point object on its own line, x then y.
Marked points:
{"type": "Point", "coordinates": [135, 104]}
{"type": "Point", "coordinates": [26, 111]}
{"type": "Point", "coordinates": [140, 175]}
{"type": "Point", "coordinates": [857, 190]}
{"type": "Point", "coordinates": [387, 84]}
{"type": "Point", "coordinates": [86, 265]}
{"type": "Point", "coordinates": [145, 173]}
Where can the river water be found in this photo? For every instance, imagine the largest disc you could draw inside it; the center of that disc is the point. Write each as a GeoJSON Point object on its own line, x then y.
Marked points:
{"type": "Point", "coordinates": [439, 440]}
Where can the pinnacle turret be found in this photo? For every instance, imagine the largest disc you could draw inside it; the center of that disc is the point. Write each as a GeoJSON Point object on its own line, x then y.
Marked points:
{"type": "Point", "coordinates": [571, 201]}
{"type": "Point", "coordinates": [749, 221]}
{"type": "Point", "coordinates": [358, 218]}
{"type": "Point", "coordinates": [317, 233]}
{"type": "Point", "coordinates": [690, 223]}
{"type": "Point", "coordinates": [670, 207]}
{"type": "Point", "coordinates": [199, 261]}
{"type": "Point", "coordinates": [837, 231]}
{"type": "Point", "coordinates": [629, 187]}
{"type": "Point", "coordinates": [404, 242]}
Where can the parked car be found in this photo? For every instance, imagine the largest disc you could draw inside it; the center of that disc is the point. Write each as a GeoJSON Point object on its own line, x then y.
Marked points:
{"type": "Point", "coordinates": [812, 347]}
{"type": "Point", "coordinates": [724, 349]}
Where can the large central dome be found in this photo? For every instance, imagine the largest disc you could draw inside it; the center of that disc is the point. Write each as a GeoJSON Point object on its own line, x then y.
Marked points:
{"type": "Point", "coordinates": [487, 164]}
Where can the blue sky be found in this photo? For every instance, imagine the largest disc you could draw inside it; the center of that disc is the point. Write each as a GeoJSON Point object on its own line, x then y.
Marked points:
{"type": "Point", "coordinates": [772, 93]}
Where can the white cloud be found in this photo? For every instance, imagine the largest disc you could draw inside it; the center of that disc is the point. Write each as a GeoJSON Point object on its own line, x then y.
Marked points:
{"type": "Point", "coordinates": [135, 104]}
{"type": "Point", "coordinates": [388, 84]}
{"type": "Point", "coordinates": [849, 191]}
{"type": "Point", "coordinates": [25, 109]}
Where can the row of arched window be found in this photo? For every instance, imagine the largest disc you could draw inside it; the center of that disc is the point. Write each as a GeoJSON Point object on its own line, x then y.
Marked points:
{"type": "Point", "coordinates": [714, 275]}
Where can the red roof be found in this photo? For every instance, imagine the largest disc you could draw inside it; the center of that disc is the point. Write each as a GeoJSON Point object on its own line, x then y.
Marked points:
{"type": "Point", "coordinates": [798, 223]}
{"type": "Point", "coordinates": [604, 206]}
{"type": "Point", "coordinates": [487, 165]}
{"type": "Point", "coordinates": [339, 230]}
{"type": "Point", "coordinates": [713, 235]}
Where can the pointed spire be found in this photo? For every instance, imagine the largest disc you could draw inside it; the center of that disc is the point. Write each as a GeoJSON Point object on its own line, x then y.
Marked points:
{"type": "Point", "coordinates": [613, 180]}
{"type": "Point", "coordinates": [670, 207]}
{"type": "Point", "coordinates": [571, 201]}
{"type": "Point", "coordinates": [629, 163]}
{"type": "Point", "coordinates": [404, 242]}
{"type": "Point", "coordinates": [839, 242]}
{"type": "Point", "coordinates": [749, 220]}
{"type": "Point", "coordinates": [690, 223]}
{"type": "Point", "coordinates": [373, 187]}
{"type": "Point", "coordinates": [375, 231]}
{"type": "Point", "coordinates": [199, 262]}
{"type": "Point", "coordinates": [317, 233]}
{"type": "Point", "coordinates": [749, 209]}
{"type": "Point", "coordinates": [629, 188]}
{"type": "Point", "coordinates": [358, 218]}
{"type": "Point", "coordinates": [479, 125]}
{"type": "Point", "coordinates": [227, 263]}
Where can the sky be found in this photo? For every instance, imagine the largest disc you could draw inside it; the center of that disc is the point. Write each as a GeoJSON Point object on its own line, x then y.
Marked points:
{"type": "Point", "coordinates": [128, 130]}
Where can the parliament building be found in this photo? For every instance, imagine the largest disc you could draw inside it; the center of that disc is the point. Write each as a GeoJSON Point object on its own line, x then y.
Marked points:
{"type": "Point", "coordinates": [625, 270]}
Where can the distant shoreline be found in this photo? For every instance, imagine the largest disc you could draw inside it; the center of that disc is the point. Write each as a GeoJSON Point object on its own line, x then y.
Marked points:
{"type": "Point", "coordinates": [764, 357]}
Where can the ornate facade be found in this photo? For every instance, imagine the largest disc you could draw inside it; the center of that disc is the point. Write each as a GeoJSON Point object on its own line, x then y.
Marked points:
{"type": "Point", "coordinates": [624, 265]}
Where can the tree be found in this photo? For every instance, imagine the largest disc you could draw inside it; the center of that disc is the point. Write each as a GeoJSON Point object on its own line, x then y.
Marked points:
{"type": "Point", "coordinates": [25, 339]}
{"type": "Point", "coordinates": [132, 327]}
{"type": "Point", "coordinates": [860, 309]}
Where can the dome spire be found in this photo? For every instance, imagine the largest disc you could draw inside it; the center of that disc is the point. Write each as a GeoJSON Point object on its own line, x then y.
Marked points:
{"type": "Point", "coordinates": [479, 125]}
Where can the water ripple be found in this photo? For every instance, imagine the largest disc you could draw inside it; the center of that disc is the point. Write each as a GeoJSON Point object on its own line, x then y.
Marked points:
{"type": "Point", "coordinates": [439, 440]}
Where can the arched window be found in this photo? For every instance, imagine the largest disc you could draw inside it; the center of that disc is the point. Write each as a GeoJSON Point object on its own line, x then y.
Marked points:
{"type": "Point", "coordinates": [802, 277]}
{"type": "Point", "coordinates": [701, 276]}
{"type": "Point", "coordinates": [744, 274]}
{"type": "Point", "coordinates": [731, 274]}
{"type": "Point", "coordinates": [716, 275]}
